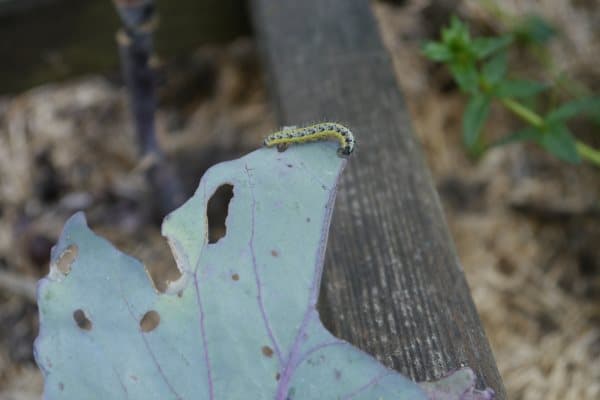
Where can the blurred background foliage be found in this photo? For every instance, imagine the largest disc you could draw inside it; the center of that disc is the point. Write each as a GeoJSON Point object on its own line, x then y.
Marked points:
{"type": "Point", "coordinates": [49, 40]}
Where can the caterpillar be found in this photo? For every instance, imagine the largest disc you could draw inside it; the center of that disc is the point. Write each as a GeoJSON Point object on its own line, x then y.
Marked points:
{"type": "Point", "coordinates": [324, 131]}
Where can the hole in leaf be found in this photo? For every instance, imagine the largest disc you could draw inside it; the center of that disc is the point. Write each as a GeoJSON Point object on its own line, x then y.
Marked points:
{"type": "Point", "coordinates": [267, 351]}
{"type": "Point", "coordinates": [216, 211]}
{"type": "Point", "coordinates": [66, 259]}
{"type": "Point", "coordinates": [150, 247]}
{"type": "Point", "coordinates": [235, 277]}
{"type": "Point", "coordinates": [150, 321]}
{"type": "Point", "coordinates": [82, 320]}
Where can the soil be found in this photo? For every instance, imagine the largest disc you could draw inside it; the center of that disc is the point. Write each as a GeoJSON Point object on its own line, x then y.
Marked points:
{"type": "Point", "coordinates": [525, 225]}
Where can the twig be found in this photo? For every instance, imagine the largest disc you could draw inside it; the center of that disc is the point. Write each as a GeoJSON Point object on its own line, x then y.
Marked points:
{"type": "Point", "coordinates": [136, 50]}
{"type": "Point", "coordinates": [19, 285]}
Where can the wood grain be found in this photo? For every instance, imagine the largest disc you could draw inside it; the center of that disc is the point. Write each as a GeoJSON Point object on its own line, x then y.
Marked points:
{"type": "Point", "coordinates": [393, 284]}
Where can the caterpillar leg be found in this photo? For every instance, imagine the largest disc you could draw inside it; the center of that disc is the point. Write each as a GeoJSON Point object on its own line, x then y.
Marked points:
{"type": "Point", "coordinates": [343, 152]}
{"type": "Point", "coordinates": [281, 147]}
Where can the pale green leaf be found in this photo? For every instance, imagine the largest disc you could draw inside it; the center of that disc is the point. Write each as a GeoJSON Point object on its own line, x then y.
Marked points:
{"type": "Point", "coordinates": [474, 118]}
{"type": "Point", "coordinates": [240, 324]}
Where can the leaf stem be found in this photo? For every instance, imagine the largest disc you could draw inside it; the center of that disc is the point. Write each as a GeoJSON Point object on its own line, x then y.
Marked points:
{"type": "Point", "coordinates": [588, 153]}
{"type": "Point", "coordinates": [531, 117]}
{"type": "Point", "coordinates": [526, 114]}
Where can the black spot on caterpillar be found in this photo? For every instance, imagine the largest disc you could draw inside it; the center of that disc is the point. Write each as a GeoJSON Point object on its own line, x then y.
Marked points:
{"type": "Point", "coordinates": [324, 131]}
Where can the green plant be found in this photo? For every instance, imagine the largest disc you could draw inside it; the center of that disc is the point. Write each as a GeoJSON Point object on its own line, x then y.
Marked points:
{"type": "Point", "coordinates": [480, 68]}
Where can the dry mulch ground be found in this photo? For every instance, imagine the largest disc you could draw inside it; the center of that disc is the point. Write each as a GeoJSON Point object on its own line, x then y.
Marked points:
{"type": "Point", "coordinates": [526, 225]}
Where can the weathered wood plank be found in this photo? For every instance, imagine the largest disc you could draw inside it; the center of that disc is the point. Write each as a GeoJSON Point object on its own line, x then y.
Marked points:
{"type": "Point", "coordinates": [393, 284]}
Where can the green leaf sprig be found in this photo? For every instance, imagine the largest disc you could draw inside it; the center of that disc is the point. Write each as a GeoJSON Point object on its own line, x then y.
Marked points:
{"type": "Point", "coordinates": [480, 68]}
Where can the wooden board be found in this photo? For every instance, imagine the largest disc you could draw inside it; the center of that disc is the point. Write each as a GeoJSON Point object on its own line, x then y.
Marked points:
{"type": "Point", "coordinates": [393, 284]}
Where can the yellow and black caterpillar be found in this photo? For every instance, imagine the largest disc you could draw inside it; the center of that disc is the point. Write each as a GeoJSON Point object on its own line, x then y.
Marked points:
{"type": "Point", "coordinates": [324, 131]}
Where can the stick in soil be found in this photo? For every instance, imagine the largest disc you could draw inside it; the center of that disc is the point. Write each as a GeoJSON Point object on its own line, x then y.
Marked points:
{"type": "Point", "coordinates": [136, 50]}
